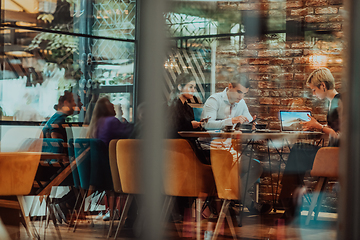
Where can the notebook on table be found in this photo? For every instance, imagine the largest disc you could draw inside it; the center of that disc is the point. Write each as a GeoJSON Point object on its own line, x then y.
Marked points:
{"type": "Point", "coordinates": [290, 120]}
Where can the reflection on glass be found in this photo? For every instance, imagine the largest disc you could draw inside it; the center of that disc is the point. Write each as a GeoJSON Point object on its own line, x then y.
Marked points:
{"type": "Point", "coordinates": [39, 66]}
{"type": "Point", "coordinates": [109, 18]}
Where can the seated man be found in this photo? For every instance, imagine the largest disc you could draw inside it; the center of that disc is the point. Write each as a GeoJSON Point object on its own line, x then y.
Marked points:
{"type": "Point", "coordinates": [228, 108]}
{"type": "Point", "coordinates": [54, 127]}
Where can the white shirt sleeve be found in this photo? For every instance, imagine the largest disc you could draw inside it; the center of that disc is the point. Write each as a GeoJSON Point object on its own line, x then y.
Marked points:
{"type": "Point", "coordinates": [242, 110]}
{"type": "Point", "coordinates": [210, 109]}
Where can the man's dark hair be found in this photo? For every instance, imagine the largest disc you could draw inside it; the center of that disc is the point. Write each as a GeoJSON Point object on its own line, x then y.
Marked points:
{"type": "Point", "coordinates": [66, 97]}
{"type": "Point", "coordinates": [240, 79]}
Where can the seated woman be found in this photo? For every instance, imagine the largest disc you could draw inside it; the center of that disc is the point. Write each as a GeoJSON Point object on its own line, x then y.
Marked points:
{"type": "Point", "coordinates": [182, 114]}
{"type": "Point", "coordinates": [301, 157]}
{"type": "Point", "coordinates": [104, 125]}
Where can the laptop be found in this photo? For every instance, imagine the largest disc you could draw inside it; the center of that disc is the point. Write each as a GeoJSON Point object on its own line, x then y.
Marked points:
{"type": "Point", "coordinates": [290, 120]}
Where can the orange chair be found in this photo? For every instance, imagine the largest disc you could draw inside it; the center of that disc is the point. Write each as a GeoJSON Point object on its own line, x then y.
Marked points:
{"type": "Point", "coordinates": [227, 178]}
{"type": "Point", "coordinates": [17, 174]}
{"type": "Point", "coordinates": [325, 166]}
{"type": "Point", "coordinates": [185, 176]}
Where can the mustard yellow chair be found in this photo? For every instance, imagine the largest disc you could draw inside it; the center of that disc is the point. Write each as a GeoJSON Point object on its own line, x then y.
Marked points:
{"type": "Point", "coordinates": [128, 164]}
{"type": "Point", "coordinates": [116, 179]}
{"type": "Point", "coordinates": [326, 165]}
{"type": "Point", "coordinates": [185, 176]}
{"type": "Point", "coordinates": [227, 180]}
{"type": "Point", "coordinates": [17, 174]}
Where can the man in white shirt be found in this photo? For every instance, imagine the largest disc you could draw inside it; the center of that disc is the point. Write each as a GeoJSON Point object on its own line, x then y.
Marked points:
{"type": "Point", "coordinates": [228, 108]}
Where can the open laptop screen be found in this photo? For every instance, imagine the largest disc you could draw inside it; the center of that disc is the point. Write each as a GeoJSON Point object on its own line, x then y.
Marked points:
{"type": "Point", "coordinates": [290, 120]}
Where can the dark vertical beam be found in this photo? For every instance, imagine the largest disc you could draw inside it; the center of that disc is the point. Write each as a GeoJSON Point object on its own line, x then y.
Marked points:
{"type": "Point", "coordinates": [85, 27]}
{"type": "Point", "coordinates": [150, 81]}
{"type": "Point", "coordinates": [349, 208]}
{"type": "Point", "coordinates": [136, 94]}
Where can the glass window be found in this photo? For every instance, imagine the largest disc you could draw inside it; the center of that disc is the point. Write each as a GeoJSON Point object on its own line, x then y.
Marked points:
{"type": "Point", "coordinates": [112, 19]}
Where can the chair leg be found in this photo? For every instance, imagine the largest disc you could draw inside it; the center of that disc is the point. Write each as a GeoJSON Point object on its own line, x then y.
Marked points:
{"type": "Point", "coordinates": [198, 218]}
{"type": "Point", "coordinates": [314, 200]}
{"type": "Point", "coordinates": [223, 213]}
{"type": "Point", "coordinates": [113, 216]}
{"type": "Point", "coordinates": [171, 208]}
{"type": "Point", "coordinates": [29, 227]}
{"type": "Point", "coordinates": [167, 210]}
{"type": "Point", "coordinates": [74, 209]}
{"type": "Point", "coordinates": [80, 209]}
{"type": "Point", "coordinates": [124, 214]}
{"type": "Point", "coordinates": [231, 225]}
{"type": "Point", "coordinates": [321, 198]}
{"type": "Point", "coordinates": [167, 207]}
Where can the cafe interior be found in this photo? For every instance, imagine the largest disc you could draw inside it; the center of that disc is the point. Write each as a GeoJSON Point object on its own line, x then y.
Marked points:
{"type": "Point", "coordinates": [179, 119]}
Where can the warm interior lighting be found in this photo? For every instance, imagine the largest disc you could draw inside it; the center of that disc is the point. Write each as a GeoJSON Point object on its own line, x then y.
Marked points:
{"type": "Point", "coordinates": [26, 24]}
{"type": "Point", "coordinates": [339, 60]}
{"type": "Point", "coordinates": [19, 54]}
{"type": "Point", "coordinates": [318, 60]}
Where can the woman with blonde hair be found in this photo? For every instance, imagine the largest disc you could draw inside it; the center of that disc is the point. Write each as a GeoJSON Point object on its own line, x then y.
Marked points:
{"type": "Point", "coordinates": [301, 157]}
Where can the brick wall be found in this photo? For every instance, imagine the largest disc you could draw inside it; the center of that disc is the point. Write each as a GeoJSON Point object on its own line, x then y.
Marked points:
{"type": "Point", "coordinates": [278, 68]}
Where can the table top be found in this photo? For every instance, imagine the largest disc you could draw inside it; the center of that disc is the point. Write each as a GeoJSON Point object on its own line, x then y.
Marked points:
{"type": "Point", "coordinates": [253, 135]}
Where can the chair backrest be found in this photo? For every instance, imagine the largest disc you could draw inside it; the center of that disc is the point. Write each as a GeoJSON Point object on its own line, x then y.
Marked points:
{"type": "Point", "coordinates": [128, 163]}
{"type": "Point", "coordinates": [114, 167]}
{"type": "Point", "coordinates": [74, 170]}
{"type": "Point", "coordinates": [184, 174]}
{"type": "Point", "coordinates": [326, 162]}
{"type": "Point", "coordinates": [92, 159]}
{"type": "Point", "coordinates": [53, 145]}
{"type": "Point", "coordinates": [32, 145]}
{"type": "Point", "coordinates": [13, 137]}
{"type": "Point", "coordinates": [17, 172]}
{"type": "Point", "coordinates": [76, 132]}
{"type": "Point", "coordinates": [225, 170]}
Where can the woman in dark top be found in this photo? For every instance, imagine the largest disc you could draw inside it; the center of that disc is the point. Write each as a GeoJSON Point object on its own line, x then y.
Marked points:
{"type": "Point", "coordinates": [182, 114]}
{"type": "Point", "coordinates": [301, 157]}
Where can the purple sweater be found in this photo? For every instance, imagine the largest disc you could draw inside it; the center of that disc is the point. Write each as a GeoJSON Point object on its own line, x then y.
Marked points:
{"type": "Point", "coordinates": [111, 128]}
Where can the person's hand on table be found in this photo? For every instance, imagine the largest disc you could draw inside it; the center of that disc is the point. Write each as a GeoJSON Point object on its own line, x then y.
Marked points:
{"type": "Point", "coordinates": [196, 124]}
{"type": "Point", "coordinates": [239, 119]}
{"type": "Point", "coordinates": [311, 125]}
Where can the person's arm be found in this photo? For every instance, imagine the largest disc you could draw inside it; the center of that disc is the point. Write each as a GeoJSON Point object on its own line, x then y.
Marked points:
{"type": "Point", "coordinates": [210, 110]}
{"type": "Point", "coordinates": [243, 110]}
{"type": "Point", "coordinates": [314, 125]}
{"type": "Point", "coordinates": [56, 135]}
{"type": "Point", "coordinates": [119, 129]}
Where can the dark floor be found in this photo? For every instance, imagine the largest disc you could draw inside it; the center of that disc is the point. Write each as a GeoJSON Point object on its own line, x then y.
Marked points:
{"type": "Point", "coordinates": [254, 227]}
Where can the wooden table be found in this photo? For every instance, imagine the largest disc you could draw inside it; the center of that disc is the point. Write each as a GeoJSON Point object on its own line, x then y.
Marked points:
{"type": "Point", "coordinates": [261, 135]}
{"type": "Point", "coordinates": [249, 138]}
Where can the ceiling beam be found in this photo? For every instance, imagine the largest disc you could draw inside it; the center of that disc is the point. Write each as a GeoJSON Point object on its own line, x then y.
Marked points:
{"type": "Point", "coordinates": [14, 16]}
